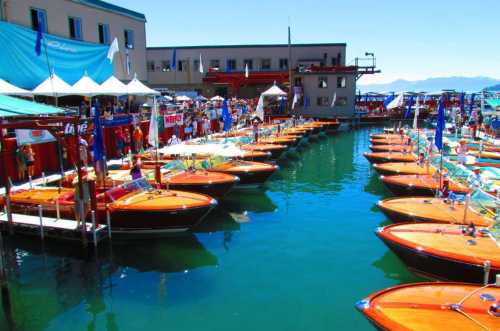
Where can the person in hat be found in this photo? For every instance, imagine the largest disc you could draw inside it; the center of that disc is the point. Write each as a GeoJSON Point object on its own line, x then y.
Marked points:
{"type": "Point", "coordinates": [462, 150]}
{"type": "Point", "coordinates": [255, 128]}
{"type": "Point", "coordinates": [135, 171]}
{"type": "Point", "coordinates": [81, 214]}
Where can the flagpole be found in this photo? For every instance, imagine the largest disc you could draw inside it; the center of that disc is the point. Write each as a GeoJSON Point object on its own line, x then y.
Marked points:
{"type": "Point", "coordinates": [290, 74]}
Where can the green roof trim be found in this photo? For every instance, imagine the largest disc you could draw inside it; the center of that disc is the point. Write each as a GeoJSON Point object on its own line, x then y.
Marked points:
{"type": "Point", "coordinates": [250, 46]}
{"type": "Point", "coordinates": [112, 8]}
{"type": "Point", "coordinates": [10, 106]}
{"type": "Point", "coordinates": [494, 103]}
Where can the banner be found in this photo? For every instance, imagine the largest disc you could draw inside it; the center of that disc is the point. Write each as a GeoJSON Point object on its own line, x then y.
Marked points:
{"type": "Point", "coordinates": [69, 59]}
{"type": "Point", "coordinates": [33, 137]}
{"type": "Point", "coordinates": [172, 119]}
{"type": "Point", "coordinates": [117, 121]}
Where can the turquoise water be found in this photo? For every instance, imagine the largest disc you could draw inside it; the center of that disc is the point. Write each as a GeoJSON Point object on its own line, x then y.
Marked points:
{"type": "Point", "coordinates": [295, 256]}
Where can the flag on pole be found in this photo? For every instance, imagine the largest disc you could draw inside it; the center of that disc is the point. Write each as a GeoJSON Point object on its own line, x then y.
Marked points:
{"type": "Point", "coordinates": [127, 63]}
{"type": "Point", "coordinates": [462, 103]}
{"type": "Point", "coordinates": [471, 104]}
{"type": "Point", "coordinates": [438, 139]}
{"type": "Point", "coordinates": [174, 59]}
{"type": "Point", "coordinates": [226, 116]}
{"type": "Point", "coordinates": [388, 100]}
{"type": "Point", "coordinates": [246, 71]}
{"type": "Point", "coordinates": [306, 102]}
{"type": "Point", "coordinates": [408, 110]}
{"type": "Point", "coordinates": [259, 111]}
{"type": "Point", "coordinates": [417, 112]}
{"type": "Point", "coordinates": [201, 65]}
{"type": "Point", "coordinates": [295, 100]}
{"type": "Point", "coordinates": [98, 147]}
{"type": "Point", "coordinates": [113, 48]}
{"type": "Point", "coordinates": [334, 99]}
{"type": "Point", "coordinates": [153, 126]}
{"type": "Point", "coordinates": [39, 37]}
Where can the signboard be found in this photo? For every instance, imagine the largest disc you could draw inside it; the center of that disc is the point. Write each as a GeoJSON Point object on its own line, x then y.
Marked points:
{"type": "Point", "coordinates": [172, 119]}
{"type": "Point", "coordinates": [33, 137]}
{"type": "Point", "coordinates": [117, 121]}
{"type": "Point", "coordinates": [69, 129]}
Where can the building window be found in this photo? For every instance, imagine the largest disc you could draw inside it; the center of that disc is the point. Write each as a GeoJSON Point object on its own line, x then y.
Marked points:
{"type": "Point", "coordinates": [214, 64]}
{"type": "Point", "coordinates": [165, 66]}
{"type": "Point", "coordinates": [265, 64]}
{"type": "Point", "coordinates": [75, 28]}
{"type": "Point", "coordinates": [341, 101]}
{"type": "Point", "coordinates": [249, 63]}
{"type": "Point", "coordinates": [283, 64]}
{"type": "Point", "coordinates": [322, 82]}
{"type": "Point", "coordinates": [129, 39]}
{"type": "Point", "coordinates": [38, 18]}
{"type": "Point", "coordinates": [341, 82]}
{"type": "Point", "coordinates": [151, 66]}
{"type": "Point", "coordinates": [103, 30]}
{"type": "Point", "coordinates": [196, 65]}
{"type": "Point", "coordinates": [182, 65]}
{"type": "Point", "coordinates": [231, 65]}
{"type": "Point", "coordinates": [322, 101]}
{"type": "Point", "coordinates": [334, 62]}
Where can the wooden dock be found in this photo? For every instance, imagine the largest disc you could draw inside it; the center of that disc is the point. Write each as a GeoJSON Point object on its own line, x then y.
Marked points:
{"type": "Point", "coordinates": [53, 228]}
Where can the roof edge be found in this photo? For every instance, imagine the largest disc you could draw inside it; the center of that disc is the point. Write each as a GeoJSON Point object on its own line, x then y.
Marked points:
{"type": "Point", "coordinates": [248, 46]}
{"type": "Point", "coordinates": [106, 6]}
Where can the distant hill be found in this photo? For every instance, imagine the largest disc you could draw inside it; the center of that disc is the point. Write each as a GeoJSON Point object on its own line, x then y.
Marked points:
{"type": "Point", "coordinates": [494, 88]}
{"type": "Point", "coordinates": [468, 84]}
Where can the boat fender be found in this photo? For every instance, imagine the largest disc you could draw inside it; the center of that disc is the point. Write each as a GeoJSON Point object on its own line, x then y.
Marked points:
{"type": "Point", "coordinates": [495, 309]}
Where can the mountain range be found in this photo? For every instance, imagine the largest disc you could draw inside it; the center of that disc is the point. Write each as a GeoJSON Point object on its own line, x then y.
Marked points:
{"type": "Point", "coordinates": [467, 84]}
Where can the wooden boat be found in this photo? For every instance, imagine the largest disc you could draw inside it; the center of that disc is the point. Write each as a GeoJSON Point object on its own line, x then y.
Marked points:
{"type": "Point", "coordinates": [434, 306]}
{"type": "Point", "coordinates": [297, 131]}
{"type": "Point", "coordinates": [393, 141]}
{"type": "Point", "coordinates": [486, 155]}
{"type": "Point", "coordinates": [389, 136]}
{"type": "Point", "coordinates": [445, 251]}
{"type": "Point", "coordinates": [419, 185]}
{"type": "Point", "coordinates": [403, 168]}
{"type": "Point", "coordinates": [275, 149]}
{"type": "Point", "coordinates": [437, 210]}
{"type": "Point", "coordinates": [316, 127]}
{"type": "Point", "coordinates": [280, 140]}
{"type": "Point", "coordinates": [134, 207]}
{"type": "Point", "coordinates": [382, 157]}
{"type": "Point", "coordinates": [392, 148]}
{"type": "Point", "coordinates": [330, 126]}
{"type": "Point", "coordinates": [251, 174]}
{"type": "Point", "coordinates": [212, 183]}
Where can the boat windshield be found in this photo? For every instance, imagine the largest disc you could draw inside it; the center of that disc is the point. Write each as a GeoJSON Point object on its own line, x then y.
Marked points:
{"type": "Point", "coordinates": [137, 186]}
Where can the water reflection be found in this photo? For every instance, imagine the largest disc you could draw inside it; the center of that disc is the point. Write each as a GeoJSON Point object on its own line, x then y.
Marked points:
{"type": "Point", "coordinates": [394, 268]}
{"type": "Point", "coordinates": [256, 201]}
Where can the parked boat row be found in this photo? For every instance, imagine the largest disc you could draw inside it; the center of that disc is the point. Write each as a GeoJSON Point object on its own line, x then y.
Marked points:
{"type": "Point", "coordinates": [446, 228]}
{"type": "Point", "coordinates": [180, 184]}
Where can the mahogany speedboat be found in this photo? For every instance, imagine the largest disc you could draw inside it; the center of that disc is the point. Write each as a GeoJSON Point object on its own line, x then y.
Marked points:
{"type": "Point", "coordinates": [434, 306]}
{"type": "Point", "coordinates": [437, 210]}
{"type": "Point", "coordinates": [486, 155]}
{"type": "Point", "coordinates": [135, 207]}
{"type": "Point", "coordinates": [251, 174]}
{"type": "Point", "coordinates": [391, 148]}
{"type": "Point", "coordinates": [331, 126]}
{"type": "Point", "coordinates": [419, 185]}
{"type": "Point", "coordinates": [392, 141]}
{"type": "Point", "coordinates": [385, 136]}
{"type": "Point", "coordinates": [403, 168]}
{"type": "Point", "coordinates": [212, 183]}
{"type": "Point", "coordinates": [280, 140]}
{"type": "Point", "coordinates": [275, 149]}
{"type": "Point", "coordinates": [445, 251]}
{"type": "Point", "coordinates": [382, 157]}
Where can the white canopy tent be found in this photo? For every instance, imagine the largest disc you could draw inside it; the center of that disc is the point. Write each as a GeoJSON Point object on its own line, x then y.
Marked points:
{"type": "Point", "coordinates": [397, 102]}
{"type": "Point", "coordinates": [112, 86]}
{"type": "Point", "coordinates": [136, 87]}
{"type": "Point", "coordinates": [86, 86]}
{"type": "Point", "coordinates": [182, 98]}
{"type": "Point", "coordinates": [9, 89]}
{"type": "Point", "coordinates": [217, 98]}
{"type": "Point", "coordinates": [274, 91]}
{"type": "Point", "coordinates": [53, 86]}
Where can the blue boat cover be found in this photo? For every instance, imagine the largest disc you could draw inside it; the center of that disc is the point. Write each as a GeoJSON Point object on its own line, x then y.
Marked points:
{"type": "Point", "coordinates": [69, 59]}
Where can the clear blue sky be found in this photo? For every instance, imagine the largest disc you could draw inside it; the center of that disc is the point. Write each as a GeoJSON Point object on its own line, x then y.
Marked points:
{"type": "Point", "coordinates": [411, 39]}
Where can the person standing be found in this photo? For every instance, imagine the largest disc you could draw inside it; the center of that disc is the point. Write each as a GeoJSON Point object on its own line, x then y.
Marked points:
{"type": "Point", "coordinates": [138, 137]}
{"type": "Point", "coordinates": [30, 159]}
{"type": "Point", "coordinates": [255, 127]}
{"type": "Point", "coordinates": [21, 163]}
{"type": "Point", "coordinates": [120, 141]}
{"type": "Point", "coordinates": [81, 212]}
{"type": "Point", "coordinates": [135, 171]}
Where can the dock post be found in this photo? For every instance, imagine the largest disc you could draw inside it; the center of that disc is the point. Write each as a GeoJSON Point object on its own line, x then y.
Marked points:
{"type": "Point", "coordinates": [94, 234]}
{"type": "Point", "coordinates": [30, 181]}
{"type": "Point", "coordinates": [40, 214]}
{"type": "Point", "coordinates": [486, 267]}
{"type": "Point", "coordinates": [58, 210]}
{"type": "Point", "coordinates": [44, 179]}
{"type": "Point", "coordinates": [108, 221]}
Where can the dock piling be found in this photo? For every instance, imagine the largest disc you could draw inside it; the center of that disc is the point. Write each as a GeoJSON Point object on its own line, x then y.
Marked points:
{"type": "Point", "coordinates": [44, 179]}
{"type": "Point", "coordinates": [58, 210]}
{"type": "Point", "coordinates": [486, 267]}
{"type": "Point", "coordinates": [40, 215]}
{"type": "Point", "coordinates": [30, 181]}
{"type": "Point", "coordinates": [94, 234]}
{"type": "Point", "coordinates": [108, 221]}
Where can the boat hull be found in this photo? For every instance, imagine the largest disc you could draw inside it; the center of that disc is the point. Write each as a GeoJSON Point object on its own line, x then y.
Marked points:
{"type": "Point", "coordinates": [217, 190]}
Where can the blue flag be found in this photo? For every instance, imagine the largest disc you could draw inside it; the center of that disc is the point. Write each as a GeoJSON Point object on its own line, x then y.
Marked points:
{"type": "Point", "coordinates": [174, 59]}
{"type": "Point", "coordinates": [438, 139]}
{"type": "Point", "coordinates": [462, 103]}
{"type": "Point", "coordinates": [39, 37]}
{"type": "Point", "coordinates": [98, 146]}
{"type": "Point", "coordinates": [471, 105]}
{"type": "Point", "coordinates": [408, 110]}
{"type": "Point", "coordinates": [226, 116]}
{"type": "Point", "coordinates": [306, 102]}
{"type": "Point", "coordinates": [281, 108]}
{"type": "Point", "coordinates": [388, 100]}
